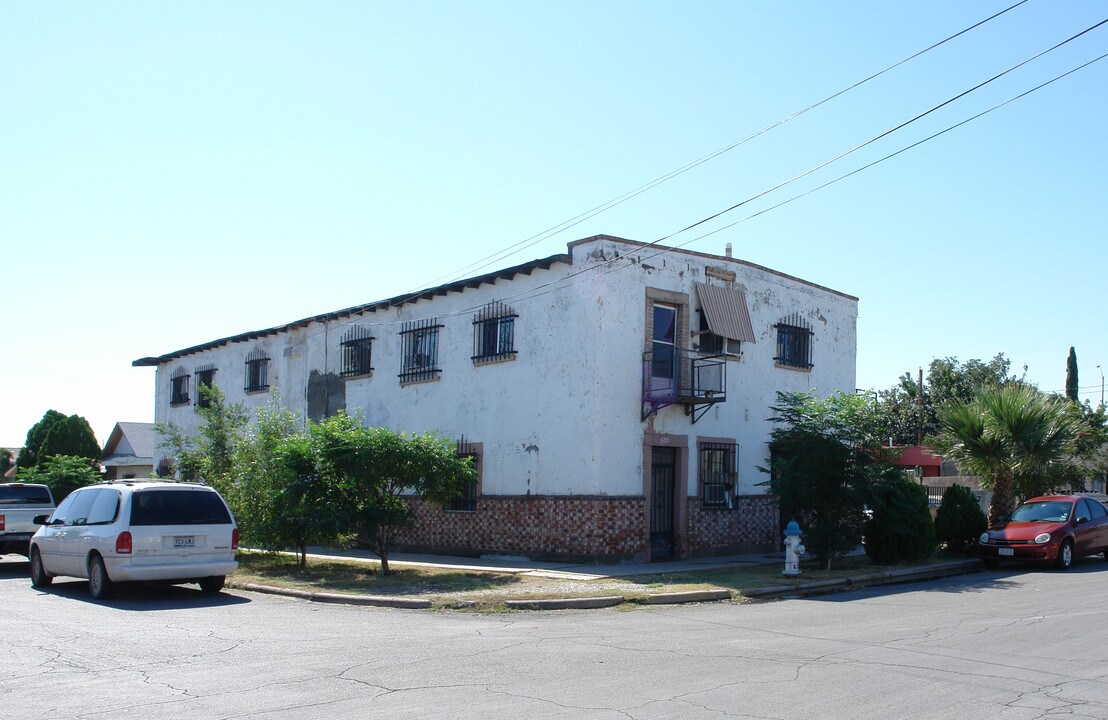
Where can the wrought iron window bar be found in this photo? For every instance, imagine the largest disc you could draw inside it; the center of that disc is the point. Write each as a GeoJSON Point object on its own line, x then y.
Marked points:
{"type": "Point", "coordinates": [257, 371]}
{"type": "Point", "coordinates": [680, 377]}
{"type": "Point", "coordinates": [357, 352]}
{"type": "Point", "coordinates": [494, 333]}
{"type": "Point", "coordinates": [718, 471]}
{"type": "Point", "coordinates": [794, 343]}
{"type": "Point", "coordinates": [420, 345]}
{"type": "Point", "coordinates": [467, 500]}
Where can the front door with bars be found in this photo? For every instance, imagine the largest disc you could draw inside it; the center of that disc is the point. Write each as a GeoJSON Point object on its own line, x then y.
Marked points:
{"type": "Point", "coordinates": [663, 486]}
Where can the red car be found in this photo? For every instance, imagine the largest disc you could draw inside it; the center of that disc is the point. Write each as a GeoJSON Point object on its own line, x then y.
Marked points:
{"type": "Point", "coordinates": [1055, 528]}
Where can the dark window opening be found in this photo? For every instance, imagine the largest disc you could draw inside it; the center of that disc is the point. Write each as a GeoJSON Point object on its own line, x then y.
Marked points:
{"type": "Point", "coordinates": [257, 372]}
{"type": "Point", "coordinates": [420, 341]}
{"type": "Point", "coordinates": [179, 388]}
{"type": "Point", "coordinates": [357, 352]}
{"type": "Point", "coordinates": [794, 344]}
{"type": "Point", "coordinates": [467, 500]}
{"type": "Point", "coordinates": [494, 333]}
{"type": "Point", "coordinates": [205, 378]}
{"type": "Point", "coordinates": [718, 474]}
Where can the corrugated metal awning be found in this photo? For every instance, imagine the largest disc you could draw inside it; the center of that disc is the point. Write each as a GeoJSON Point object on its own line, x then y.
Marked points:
{"type": "Point", "coordinates": [726, 312]}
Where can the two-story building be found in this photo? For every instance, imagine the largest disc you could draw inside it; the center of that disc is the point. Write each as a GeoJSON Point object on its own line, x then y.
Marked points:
{"type": "Point", "coordinates": [615, 398]}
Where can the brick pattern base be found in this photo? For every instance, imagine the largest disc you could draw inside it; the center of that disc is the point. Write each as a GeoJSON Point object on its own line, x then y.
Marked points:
{"type": "Point", "coordinates": [751, 524]}
{"type": "Point", "coordinates": [581, 528]}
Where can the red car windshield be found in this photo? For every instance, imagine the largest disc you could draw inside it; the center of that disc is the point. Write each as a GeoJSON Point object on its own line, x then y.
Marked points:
{"type": "Point", "coordinates": [1046, 511]}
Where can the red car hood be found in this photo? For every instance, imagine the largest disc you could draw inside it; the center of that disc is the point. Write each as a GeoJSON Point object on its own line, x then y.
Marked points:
{"type": "Point", "coordinates": [1023, 530]}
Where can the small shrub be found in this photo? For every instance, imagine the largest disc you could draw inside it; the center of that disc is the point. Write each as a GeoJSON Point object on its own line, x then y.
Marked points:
{"type": "Point", "coordinates": [959, 519]}
{"type": "Point", "coordinates": [900, 529]}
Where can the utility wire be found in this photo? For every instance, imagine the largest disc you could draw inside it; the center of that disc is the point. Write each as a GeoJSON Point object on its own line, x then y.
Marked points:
{"type": "Point", "coordinates": [603, 207]}
{"type": "Point", "coordinates": [855, 149]}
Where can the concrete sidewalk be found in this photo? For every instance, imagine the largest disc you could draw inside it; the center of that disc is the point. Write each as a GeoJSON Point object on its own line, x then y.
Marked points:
{"type": "Point", "coordinates": [568, 571]}
{"type": "Point", "coordinates": [789, 586]}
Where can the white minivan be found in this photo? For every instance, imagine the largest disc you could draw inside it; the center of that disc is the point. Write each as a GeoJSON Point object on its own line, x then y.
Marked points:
{"type": "Point", "coordinates": [137, 530]}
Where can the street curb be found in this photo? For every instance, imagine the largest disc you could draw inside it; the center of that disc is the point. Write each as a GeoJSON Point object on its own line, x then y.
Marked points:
{"type": "Point", "coordinates": [886, 577]}
{"type": "Point", "coordinates": [691, 596]}
{"type": "Point", "coordinates": [766, 592]}
{"type": "Point", "coordinates": [587, 603]}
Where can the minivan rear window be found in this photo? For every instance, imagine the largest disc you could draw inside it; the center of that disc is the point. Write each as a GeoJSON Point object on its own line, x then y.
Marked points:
{"type": "Point", "coordinates": [24, 495]}
{"type": "Point", "coordinates": [178, 507]}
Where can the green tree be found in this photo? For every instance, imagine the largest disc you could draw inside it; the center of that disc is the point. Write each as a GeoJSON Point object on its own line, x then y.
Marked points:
{"type": "Point", "coordinates": [61, 473]}
{"type": "Point", "coordinates": [29, 455]}
{"type": "Point", "coordinates": [1071, 375]}
{"type": "Point", "coordinates": [71, 436]}
{"type": "Point", "coordinates": [376, 468]}
{"type": "Point", "coordinates": [6, 461]}
{"type": "Point", "coordinates": [1013, 437]}
{"type": "Point", "coordinates": [900, 528]}
{"type": "Point", "coordinates": [959, 520]}
{"type": "Point", "coordinates": [826, 456]}
{"type": "Point", "coordinates": [209, 455]}
{"type": "Point", "coordinates": [906, 415]}
{"type": "Point", "coordinates": [279, 496]}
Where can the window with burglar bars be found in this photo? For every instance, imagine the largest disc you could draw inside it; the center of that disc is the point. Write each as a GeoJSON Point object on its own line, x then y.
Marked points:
{"type": "Point", "coordinates": [718, 473]}
{"type": "Point", "coordinates": [494, 333]}
{"type": "Point", "coordinates": [205, 378]}
{"type": "Point", "coordinates": [420, 348]}
{"type": "Point", "coordinates": [467, 501]}
{"type": "Point", "coordinates": [179, 387]}
{"type": "Point", "coordinates": [794, 343]}
{"type": "Point", "coordinates": [257, 371]}
{"type": "Point", "coordinates": [357, 352]}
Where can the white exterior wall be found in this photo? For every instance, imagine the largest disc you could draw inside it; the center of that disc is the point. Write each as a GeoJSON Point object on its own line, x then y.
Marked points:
{"type": "Point", "coordinates": [563, 417]}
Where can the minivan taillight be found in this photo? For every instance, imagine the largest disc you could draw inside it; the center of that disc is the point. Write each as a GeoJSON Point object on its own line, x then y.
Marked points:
{"type": "Point", "coordinates": [235, 539]}
{"type": "Point", "coordinates": [1, 523]}
{"type": "Point", "coordinates": [123, 543]}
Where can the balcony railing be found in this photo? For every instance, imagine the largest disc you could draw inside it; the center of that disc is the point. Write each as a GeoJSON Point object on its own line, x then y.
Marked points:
{"type": "Point", "coordinates": [682, 378]}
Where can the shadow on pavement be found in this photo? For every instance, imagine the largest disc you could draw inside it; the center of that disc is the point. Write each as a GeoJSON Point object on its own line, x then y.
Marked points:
{"type": "Point", "coordinates": [132, 596]}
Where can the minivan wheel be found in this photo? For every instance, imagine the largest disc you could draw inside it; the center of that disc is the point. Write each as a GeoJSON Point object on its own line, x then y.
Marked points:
{"type": "Point", "coordinates": [100, 585]}
{"type": "Point", "coordinates": [213, 584]}
{"type": "Point", "coordinates": [39, 577]}
{"type": "Point", "coordinates": [1065, 555]}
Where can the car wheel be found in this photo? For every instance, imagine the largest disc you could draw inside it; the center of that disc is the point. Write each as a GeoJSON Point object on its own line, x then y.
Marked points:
{"type": "Point", "coordinates": [39, 577]}
{"type": "Point", "coordinates": [212, 584]}
{"type": "Point", "coordinates": [1065, 555]}
{"type": "Point", "coordinates": [100, 585]}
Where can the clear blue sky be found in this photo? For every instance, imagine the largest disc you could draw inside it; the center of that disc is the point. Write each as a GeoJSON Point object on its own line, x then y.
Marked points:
{"type": "Point", "coordinates": [175, 173]}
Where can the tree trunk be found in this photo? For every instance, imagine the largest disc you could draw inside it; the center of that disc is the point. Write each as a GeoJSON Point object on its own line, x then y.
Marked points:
{"type": "Point", "coordinates": [1003, 498]}
{"type": "Point", "coordinates": [303, 552]}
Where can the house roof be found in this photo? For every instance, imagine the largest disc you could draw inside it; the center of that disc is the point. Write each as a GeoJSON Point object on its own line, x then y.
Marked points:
{"type": "Point", "coordinates": [141, 443]}
{"type": "Point", "coordinates": [458, 286]}
{"type": "Point", "coordinates": [913, 455]}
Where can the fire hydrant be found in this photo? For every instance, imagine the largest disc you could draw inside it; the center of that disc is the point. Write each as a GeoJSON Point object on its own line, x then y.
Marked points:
{"type": "Point", "coordinates": [793, 549]}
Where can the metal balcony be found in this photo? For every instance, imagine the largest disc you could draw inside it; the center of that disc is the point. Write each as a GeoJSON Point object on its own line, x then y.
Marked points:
{"type": "Point", "coordinates": [682, 378]}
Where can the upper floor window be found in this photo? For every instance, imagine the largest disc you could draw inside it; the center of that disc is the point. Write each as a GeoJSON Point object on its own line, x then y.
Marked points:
{"type": "Point", "coordinates": [794, 343]}
{"type": "Point", "coordinates": [494, 333]}
{"type": "Point", "coordinates": [179, 387]}
{"type": "Point", "coordinates": [257, 371]}
{"type": "Point", "coordinates": [420, 350]}
{"type": "Point", "coordinates": [205, 378]}
{"type": "Point", "coordinates": [718, 473]}
{"type": "Point", "coordinates": [357, 352]}
{"type": "Point", "coordinates": [724, 320]}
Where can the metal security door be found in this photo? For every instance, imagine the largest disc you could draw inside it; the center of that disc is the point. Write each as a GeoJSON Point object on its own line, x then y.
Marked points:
{"type": "Point", "coordinates": [663, 471]}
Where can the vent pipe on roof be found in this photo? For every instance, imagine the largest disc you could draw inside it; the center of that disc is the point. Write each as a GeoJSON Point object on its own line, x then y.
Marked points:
{"type": "Point", "coordinates": [727, 250]}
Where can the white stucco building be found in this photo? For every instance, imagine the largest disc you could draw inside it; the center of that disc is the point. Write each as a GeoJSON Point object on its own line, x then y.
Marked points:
{"type": "Point", "coordinates": [616, 397]}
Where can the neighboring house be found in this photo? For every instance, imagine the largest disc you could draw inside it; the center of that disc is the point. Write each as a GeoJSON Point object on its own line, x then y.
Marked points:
{"type": "Point", "coordinates": [936, 474]}
{"type": "Point", "coordinates": [615, 398]}
{"type": "Point", "coordinates": [129, 451]}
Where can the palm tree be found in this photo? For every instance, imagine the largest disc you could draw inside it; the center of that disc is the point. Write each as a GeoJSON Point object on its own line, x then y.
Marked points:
{"type": "Point", "coordinates": [1005, 435]}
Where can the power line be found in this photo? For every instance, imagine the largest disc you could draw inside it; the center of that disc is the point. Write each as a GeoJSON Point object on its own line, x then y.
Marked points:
{"type": "Point", "coordinates": [603, 207]}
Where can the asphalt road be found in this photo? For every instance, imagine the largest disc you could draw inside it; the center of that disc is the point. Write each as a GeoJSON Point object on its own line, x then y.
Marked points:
{"type": "Point", "coordinates": [1001, 644]}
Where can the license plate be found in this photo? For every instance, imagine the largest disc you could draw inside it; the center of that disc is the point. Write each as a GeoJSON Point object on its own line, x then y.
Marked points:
{"type": "Point", "coordinates": [184, 541]}
{"type": "Point", "coordinates": [1005, 552]}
